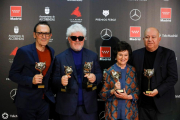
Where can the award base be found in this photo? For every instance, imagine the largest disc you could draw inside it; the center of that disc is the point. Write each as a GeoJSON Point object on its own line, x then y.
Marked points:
{"type": "Point", "coordinates": [148, 91]}
{"type": "Point", "coordinates": [63, 90]}
{"type": "Point", "coordinates": [120, 91]}
{"type": "Point", "coordinates": [41, 86]}
{"type": "Point", "coordinates": [89, 85]}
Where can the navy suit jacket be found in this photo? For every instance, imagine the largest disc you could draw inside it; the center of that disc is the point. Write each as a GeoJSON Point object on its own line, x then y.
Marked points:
{"type": "Point", "coordinates": [22, 72]}
{"type": "Point", "coordinates": [165, 77]}
{"type": "Point", "coordinates": [67, 102]}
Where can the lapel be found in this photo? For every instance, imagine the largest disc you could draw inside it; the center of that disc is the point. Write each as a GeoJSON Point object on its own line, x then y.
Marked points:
{"type": "Point", "coordinates": [35, 55]}
{"type": "Point", "coordinates": [84, 59]}
{"type": "Point", "coordinates": [52, 58]}
{"type": "Point", "coordinates": [70, 62]}
{"type": "Point", "coordinates": [141, 60]}
{"type": "Point", "coordinates": [157, 61]}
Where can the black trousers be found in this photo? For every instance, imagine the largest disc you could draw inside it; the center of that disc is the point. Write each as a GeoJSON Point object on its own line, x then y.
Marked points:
{"type": "Point", "coordinates": [80, 114]}
{"type": "Point", "coordinates": [42, 113]}
{"type": "Point", "coordinates": [153, 114]}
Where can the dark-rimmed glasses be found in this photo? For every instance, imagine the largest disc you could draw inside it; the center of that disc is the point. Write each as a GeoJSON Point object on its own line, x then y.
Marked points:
{"type": "Point", "coordinates": [40, 34]}
{"type": "Point", "coordinates": [74, 38]}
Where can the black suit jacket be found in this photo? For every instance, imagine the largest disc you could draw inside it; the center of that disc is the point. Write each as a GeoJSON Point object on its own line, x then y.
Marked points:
{"type": "Point", "coordinates": [66, 102]}
{"type": "Point", "coordinates": [22, 72]}
{"type": "Point", "coordinates": [165, 77]}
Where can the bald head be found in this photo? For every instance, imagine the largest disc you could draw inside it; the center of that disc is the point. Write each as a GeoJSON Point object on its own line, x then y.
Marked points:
{"type": "Point", "coordinates": [151, 39]}
{"type": "Point", "coordinates": [151, 28]}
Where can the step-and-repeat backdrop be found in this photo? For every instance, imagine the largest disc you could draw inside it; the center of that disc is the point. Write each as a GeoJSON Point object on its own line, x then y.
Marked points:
{"type": "Point", "coordinates": [107, 22]}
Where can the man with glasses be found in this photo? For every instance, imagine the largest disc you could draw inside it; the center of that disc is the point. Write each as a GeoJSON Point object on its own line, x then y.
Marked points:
{"type": "Point", "coordinates": [34, 94]}
{"type": "Point", "coordinates": [75, 99]}
{"type": "Point", "coordinates": [158, 102]}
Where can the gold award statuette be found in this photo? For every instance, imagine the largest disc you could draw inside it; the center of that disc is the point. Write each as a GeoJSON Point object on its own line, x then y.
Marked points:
{"type": "Point", "coordinates": [148, 73]}
{"type": "Point", "coordinates": [87, 70]}
{"type": "Point", "coordinates": [67, 70]}
{"type": "Point", "coordinates": [40, 66]}
{"type": "Point", "coordinates": [104, 76]}
{"type": "Point", "coordinates": [117, 75]}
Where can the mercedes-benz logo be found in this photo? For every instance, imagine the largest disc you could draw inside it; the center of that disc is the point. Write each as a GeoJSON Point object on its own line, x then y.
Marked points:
{"type": "Point", "coordinates": [5, 115]}
{"type": "Point", "coordinates": [106, 34]}
{"type": "Point", "coordinates": [135, 14]}
{"type": "Point", "coordinates": [13, 93]}
{"type": "Point", "coordinates": [101, 115]}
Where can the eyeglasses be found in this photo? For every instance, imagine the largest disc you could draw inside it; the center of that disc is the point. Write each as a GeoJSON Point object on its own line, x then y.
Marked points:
{"type": "Point", "coordinates": [74, 38]}
{"type": "Point", "coordinates": [40, 34]}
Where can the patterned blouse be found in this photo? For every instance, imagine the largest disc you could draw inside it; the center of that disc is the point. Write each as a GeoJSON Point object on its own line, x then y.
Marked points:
{"type": "Point", "coordinates": [111, 102]}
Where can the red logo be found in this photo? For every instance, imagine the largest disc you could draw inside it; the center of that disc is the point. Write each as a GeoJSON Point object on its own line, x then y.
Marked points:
{"type": "Point", "coordinates": [135, 31]}
{"type": "Point", "coordinates": [76, 12]}
{"type": "Point", "coordinates": [105, 51]}
{"type": "Point", "coordinates": [14, 51]}
{"type": "Point", "coordinates": [16, 11]}
{"type": "Point", "coordinates": [166, 13]}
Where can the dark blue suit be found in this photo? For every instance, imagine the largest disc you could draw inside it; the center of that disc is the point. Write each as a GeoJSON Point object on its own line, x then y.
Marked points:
{"type": "Point", "coordinates": [67, 101]}
{"type": "Point", "coordinates": [22, 72]}
{"type": "Point", "coordinates": [165, 77]}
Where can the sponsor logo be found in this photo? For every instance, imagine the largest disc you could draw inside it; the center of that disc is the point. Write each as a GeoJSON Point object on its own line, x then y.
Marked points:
{"type": "Point", "coordinates": [16, 29]}
{"type": "Point", "coordinates": [135, 14]}
{"type": "Point", "coordinates": [177, 96]}
{"type": "Point", "coordinates": [105, 13]}
{"type": "Point", "coordinates": [102, 115]}
{"type": "Point", "coordinates": [75, 0]}
{"type": "Point", "coordinates": [136, 0]}
{"type": "Point", "coordinates": [76, 12]}
{"type": "Point", "coordinates": [13, 93]}
{"type": "Point", "coordinates": [105, 53]}
{"type": "Point", "coordinates": [135, 33]}
{"type": "Point", "coordinates": [16, 37]}
{"type": "Point", "coordinates": [51, 40]}
{"type": "Point", "coordinates": [106, 34]}
{"type": "Point", "coordinates": [47, 17]}
{"type": "Point", "coordinates": [169, 35]}
{"type": "Point", "coordinates": [15, 12]}
{"type": "Point", "coordinates": [47, 10]}
{"type": "Point", "coordinates": [165, 15]}
{"type": "Point", "coordinates": [13, 53]}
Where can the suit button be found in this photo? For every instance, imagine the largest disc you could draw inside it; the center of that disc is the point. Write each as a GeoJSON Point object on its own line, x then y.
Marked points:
{"type": "Point", "coordinates": [76, 93]}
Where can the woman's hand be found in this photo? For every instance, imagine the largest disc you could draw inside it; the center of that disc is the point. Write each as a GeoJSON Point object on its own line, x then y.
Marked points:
{"type": "Point", "coordinates": [123, 95]}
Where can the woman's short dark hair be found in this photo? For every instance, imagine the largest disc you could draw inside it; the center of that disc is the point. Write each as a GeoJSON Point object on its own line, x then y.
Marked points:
{"type": "Point", "coordinates": [42, 23]}
{"type": "Point", "coordinates": [122, 46]}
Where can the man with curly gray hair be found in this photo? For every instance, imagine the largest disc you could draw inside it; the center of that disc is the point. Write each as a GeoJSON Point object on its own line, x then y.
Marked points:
{"type": "Point", "coordinates": [76, 93]}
